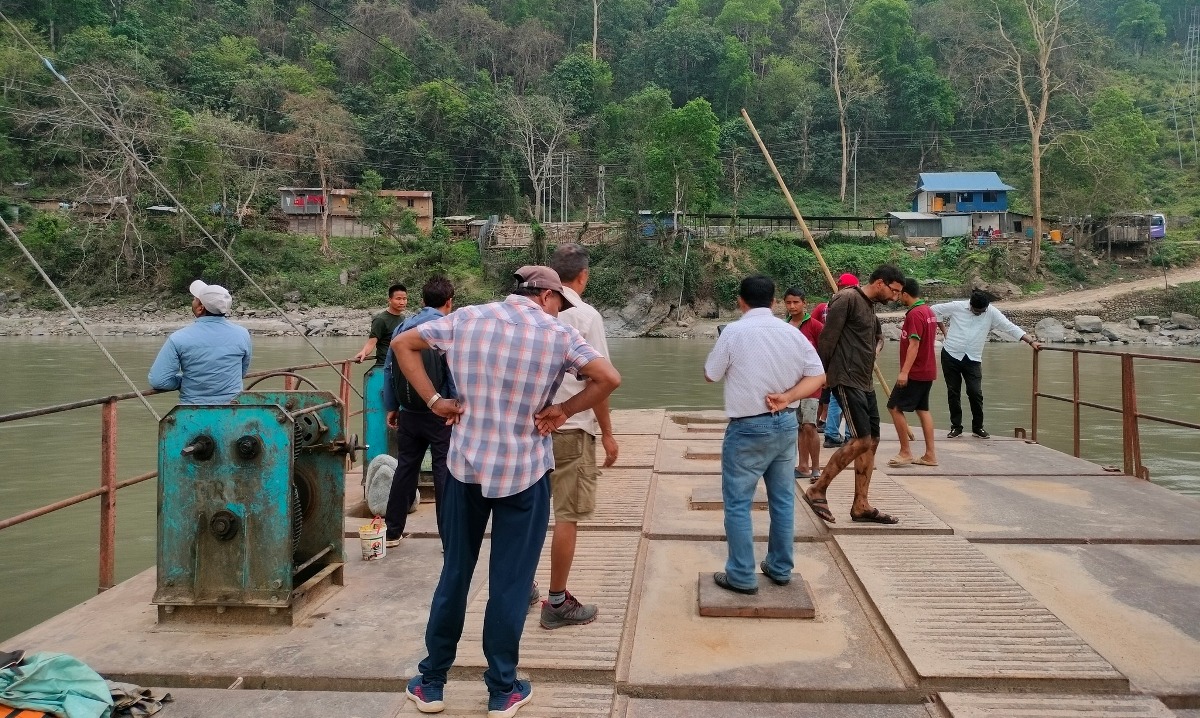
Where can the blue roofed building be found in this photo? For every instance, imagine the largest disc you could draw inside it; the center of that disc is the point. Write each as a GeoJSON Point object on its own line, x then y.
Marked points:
{"type": "Point", "coordinates": [964, 203]}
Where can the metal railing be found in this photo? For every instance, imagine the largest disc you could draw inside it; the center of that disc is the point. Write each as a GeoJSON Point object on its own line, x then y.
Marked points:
{"type": "Point", "coordinates": [109, 485]}
{"type": "Point", "coordinates": [1131, 440]}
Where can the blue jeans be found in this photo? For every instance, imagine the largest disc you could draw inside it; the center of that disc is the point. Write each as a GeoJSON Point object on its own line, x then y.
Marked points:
{"type": "Point", "coordinates": [833, 422]}
{"type": "Point", "coordinates": [762, 446]}
{"type": "Point", "coordinates": [518, 533]}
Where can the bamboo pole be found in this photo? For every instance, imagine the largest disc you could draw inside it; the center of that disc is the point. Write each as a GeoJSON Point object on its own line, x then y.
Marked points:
{"type": "Point", "coordinates": [812, 243]}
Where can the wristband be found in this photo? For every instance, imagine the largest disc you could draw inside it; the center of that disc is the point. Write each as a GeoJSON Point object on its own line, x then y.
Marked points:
{"type": "Point", "coordinates": [433, 400]}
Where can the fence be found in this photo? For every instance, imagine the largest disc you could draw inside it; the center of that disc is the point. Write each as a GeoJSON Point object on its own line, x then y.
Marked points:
{"type": "Point", "coordinates": [1131, 443]}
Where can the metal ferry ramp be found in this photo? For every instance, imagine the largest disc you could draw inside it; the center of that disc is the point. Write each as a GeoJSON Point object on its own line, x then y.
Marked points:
{"type": "Point", "coordinates": [1044, 587]}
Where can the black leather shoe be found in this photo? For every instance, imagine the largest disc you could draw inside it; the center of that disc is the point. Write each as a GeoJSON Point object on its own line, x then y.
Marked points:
{"type": "Point", "coordinates": [723, 581]}
{"type": "Point", "coordinates": [777, 581]}
{"type": "Point", "coordinates": [954, 434]}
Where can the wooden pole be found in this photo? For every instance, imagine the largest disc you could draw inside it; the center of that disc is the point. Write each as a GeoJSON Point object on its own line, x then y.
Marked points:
{"type": "Point", "coordinates": [812, 243]}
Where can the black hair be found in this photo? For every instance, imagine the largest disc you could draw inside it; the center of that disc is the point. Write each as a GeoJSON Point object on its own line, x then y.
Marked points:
{"type": "Point", "coordinates": [569, 260]}
{"type": "Point", "coordinates": [397, 288]}
{"type": "Point", "coordinates": [888, 273]}
{"type": "Point", "coordinates": [437, 291]}
{"type": "Point", "coordinates": [794, 292]}
{"type": "Point", "coordinates": [980, 299]}
{"type": "Point", "coordinates": [757, 291]}
{"type": "Point", "coordinates": [912, 287]}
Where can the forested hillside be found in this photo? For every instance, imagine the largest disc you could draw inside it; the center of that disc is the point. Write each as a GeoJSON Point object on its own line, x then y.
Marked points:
{"type": "Point", "coordinates": [489, 104]}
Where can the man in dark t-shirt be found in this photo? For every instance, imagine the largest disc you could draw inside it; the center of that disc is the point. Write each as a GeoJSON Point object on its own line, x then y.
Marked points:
{"type": "Point", "coordinates": [918, 370]}
{"type": "Point", "coordinates": [384, 324]}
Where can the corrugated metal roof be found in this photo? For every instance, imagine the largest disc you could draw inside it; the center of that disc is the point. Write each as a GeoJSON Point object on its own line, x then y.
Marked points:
{"type": "Point", "coordinates": [912, 215]}
{"type": "Point", "coordinates": [961, 182]}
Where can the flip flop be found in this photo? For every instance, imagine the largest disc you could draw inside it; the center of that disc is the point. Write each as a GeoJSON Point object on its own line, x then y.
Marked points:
{"type": "Point", "coordinates": [922, 462]}
{"type": "Point", "coordinates": [820, 507]}
{"type": "Point", "coordinates": [896, 461]}
{"type": "Point", "coordinates": [875, 516]}
{"type": "Point", "coordinates": [802, 474]}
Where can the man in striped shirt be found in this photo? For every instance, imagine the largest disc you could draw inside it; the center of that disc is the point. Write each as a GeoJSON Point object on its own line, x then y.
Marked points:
{"type": "Point", "coordinates": [508, 359]}
{"type": "Point", "coordinates": [767, 367]}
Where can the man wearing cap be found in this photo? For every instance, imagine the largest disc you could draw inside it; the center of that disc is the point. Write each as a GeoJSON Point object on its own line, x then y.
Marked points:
{"type": "Point", "coordinates": [966, 326]}
{"type": "Point", "coordinates": [573, 481]}
{"type": "Point", "coordinates": [206, 360]}
{"type": "Point", "coordinates": [508, 359]}
{"type": "Point", "coordinates": [830, 411]}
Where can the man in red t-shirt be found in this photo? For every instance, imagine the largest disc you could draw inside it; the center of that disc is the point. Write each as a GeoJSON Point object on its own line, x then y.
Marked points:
{"type": "Point", "coordinates": [918, 370]}
{"type": "Point", "coordinates": [808, 442]}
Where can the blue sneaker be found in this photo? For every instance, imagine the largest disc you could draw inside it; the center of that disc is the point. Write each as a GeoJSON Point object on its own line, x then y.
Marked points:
{"type": "Point", "coordinates": [506, 705]}
{"type": "Point", "coordinates": [427, 696]}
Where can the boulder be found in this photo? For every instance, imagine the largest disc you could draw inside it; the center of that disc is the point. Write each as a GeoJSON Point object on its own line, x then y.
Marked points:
{"type": "Point", "coordinates": [1148, 320]}
{"type": "Point", "coordinates": [1185, 321]}
{"type": "Point", "coordinates": [1050, 330]}
{"type": "Point", "coordinates": [3, 300]}
{"type": "Point", "coordinates": [1133, 324]}
{"type": "Point", "coordinates": [999, 290]}
{"type": "Point", "coordinates": [293, 296]}
{"type": "Point", "coordinates": [315, 326]}
{"type": "Point", "coordinates": [1088, 323]}
{"type": "Point", "coordinates": [998, 336]}
{"type": "Point", "coordinates": [891, 332]}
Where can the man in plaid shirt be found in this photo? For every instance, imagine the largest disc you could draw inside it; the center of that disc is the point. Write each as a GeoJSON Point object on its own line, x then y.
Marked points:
{"type": "Point", "coordinates": [508, 359]}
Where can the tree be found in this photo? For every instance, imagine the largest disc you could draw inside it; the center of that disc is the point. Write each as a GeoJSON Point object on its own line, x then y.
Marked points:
{"type": "Point", "coordinates": [541, 127]}
{"type": "Point", "coordinates": [321, 133]}
{"type": "Point", "coordinates": [1033, 35]}
{"type": "Point", "coordinates": [1100, 170]}
{"type": "Point", "coordinates": [683, 158]}
{"type": "Point", "coordinates": [849, 78]}
{"type": "Point", "coordinates": [1141, 22]}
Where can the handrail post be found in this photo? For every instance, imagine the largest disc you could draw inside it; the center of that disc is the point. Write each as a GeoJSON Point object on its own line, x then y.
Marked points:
{"type": "Point", "coordinates": [1075, 397]}
{"type": "Point", "coordinates": [345, 386]}
{"type": "Point", "coordinates": [289, 383]}
{"type": "Point", "coordinates": [1034, 412]}
{"type": "Point", "coordinates": [1131, 443]}
{"type": "Point", "coordinates": [108, 500]}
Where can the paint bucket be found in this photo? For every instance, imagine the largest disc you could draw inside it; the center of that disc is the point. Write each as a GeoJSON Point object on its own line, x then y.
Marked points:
{"type": "Point", "coordinates": [371, 536]}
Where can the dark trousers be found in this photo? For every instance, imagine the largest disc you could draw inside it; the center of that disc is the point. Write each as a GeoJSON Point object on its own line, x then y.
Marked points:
{"type": "Point", "coordinates": [518, 533]}
{"type": "Point", "coordinates": [417, 431]}
{"type": "Point", "coordinates": [955, 371]}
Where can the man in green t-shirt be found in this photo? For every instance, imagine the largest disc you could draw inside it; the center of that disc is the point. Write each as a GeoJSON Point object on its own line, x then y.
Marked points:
{"type": "Point", "coordinates": [383, 324]}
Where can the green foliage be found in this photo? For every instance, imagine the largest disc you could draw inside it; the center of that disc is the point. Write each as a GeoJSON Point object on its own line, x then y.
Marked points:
{"type": "Point", "coordinates": [1173, 253]}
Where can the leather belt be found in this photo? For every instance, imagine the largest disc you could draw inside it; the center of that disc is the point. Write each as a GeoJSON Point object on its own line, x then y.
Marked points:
{"type": "Point", "coordinates": [788, 410]}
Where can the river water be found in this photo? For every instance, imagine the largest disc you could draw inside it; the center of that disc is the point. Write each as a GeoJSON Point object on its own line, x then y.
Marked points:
{"type": "Point", "coordinates": [49, 564]}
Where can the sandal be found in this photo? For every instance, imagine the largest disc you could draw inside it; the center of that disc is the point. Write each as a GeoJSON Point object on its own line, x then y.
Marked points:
{"type": "Point", "coordinates": [920, 461]}
{"type": "Point", "coordinates": [875, 516]}
{"type": "Point", "coordinates": [820, 507]}
{"type": "Point", "coordinates": [896, 461]}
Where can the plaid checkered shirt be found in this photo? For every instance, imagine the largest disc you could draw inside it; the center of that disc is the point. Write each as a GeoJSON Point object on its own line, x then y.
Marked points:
{"type": "Point", "coordinates": [508, 358]}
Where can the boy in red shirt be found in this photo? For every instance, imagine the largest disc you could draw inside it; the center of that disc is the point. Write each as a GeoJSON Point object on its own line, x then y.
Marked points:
{"type": "Point", "coordinates": [808, 444]}
{"type": "Point", "coordinates": [918, 370]}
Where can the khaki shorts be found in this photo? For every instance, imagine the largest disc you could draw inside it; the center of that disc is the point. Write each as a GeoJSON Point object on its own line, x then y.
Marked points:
{"type": "Point", "coordinates": [808, 411]}
{"type": "Point", "coordinates": [573, 481]}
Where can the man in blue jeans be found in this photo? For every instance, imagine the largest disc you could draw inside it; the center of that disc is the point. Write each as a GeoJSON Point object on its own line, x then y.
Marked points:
{"type": "Point", "coordinates": [508, 359]}
{"type": "Point", "coordinates": [760, 357]}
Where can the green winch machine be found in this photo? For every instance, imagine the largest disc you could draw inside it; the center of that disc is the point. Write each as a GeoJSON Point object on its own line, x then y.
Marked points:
{"type": "Point", "coordinates": [250, 504]}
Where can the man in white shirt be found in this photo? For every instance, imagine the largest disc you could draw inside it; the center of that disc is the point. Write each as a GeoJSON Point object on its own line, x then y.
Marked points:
{"type": "Point", "coordinates": [768, 367]}
{"type": "Point", "coordinates": [966, 325]}
{"type": "Point", "coordinates": [573, 481]}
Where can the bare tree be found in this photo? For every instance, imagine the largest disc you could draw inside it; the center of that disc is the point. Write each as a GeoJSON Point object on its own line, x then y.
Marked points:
{"type": "Point", "coordinates": [541, 127]}
{"type": "Point", "coordinates": [849, 79]}
{"type": "Point", "coordinates": [596, 27]}
{"type": "Point", "coordinates": [322, 133]}
{"type": "Point", "coordinates": [1030, 49]}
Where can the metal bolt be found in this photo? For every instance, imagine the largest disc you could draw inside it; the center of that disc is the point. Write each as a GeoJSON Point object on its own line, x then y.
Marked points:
{"type": "Point", "coordinates": [274, 597]}
{"type": "Point", "coordinates": [220, 609]}
{"type": "Point", "coordinates": [170, 419]}
{"type": "Point", "coordinates": [276, 583]}
{"type": "Point", "coordinates": [169, 609]}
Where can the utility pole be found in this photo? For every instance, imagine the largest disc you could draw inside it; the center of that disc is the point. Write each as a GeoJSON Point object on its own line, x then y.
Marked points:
{"type": "Point", "coordinates": [854, 155]}
{"type": "Point", "coordinates": [600, 198]}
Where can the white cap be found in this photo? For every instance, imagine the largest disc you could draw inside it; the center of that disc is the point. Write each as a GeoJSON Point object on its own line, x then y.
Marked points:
{"type": "Point", "coordinates": [215, 298]}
